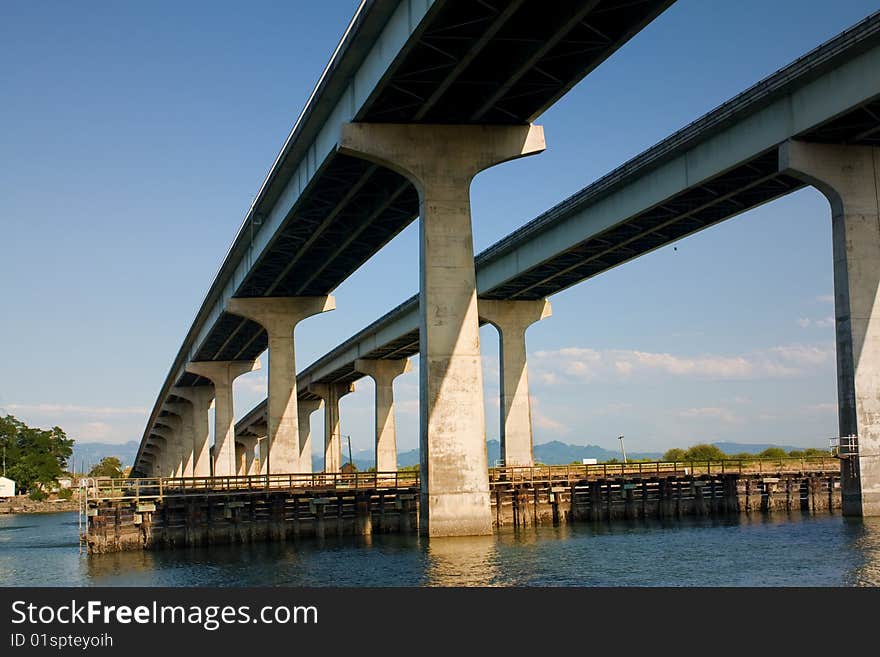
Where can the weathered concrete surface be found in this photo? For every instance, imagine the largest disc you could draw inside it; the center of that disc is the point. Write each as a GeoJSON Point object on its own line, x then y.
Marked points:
{"type": "Point", "coordinates": [441, 161]}
{"type": "Point", "coordinates": [331, 393]}
{"type": "Point", "coordinates": [305, 409]}
{"type": "Point", "coordinates": [184, 449]}
{"type": "Point", "coordinates": [849, 177]}
{"type": "Point", "coordinates": [222, 374]}
{"type": "Point", "coordinates": [383, 372]}
{"type": "Point", "coordinates": [201, 398]}
{"type": "Point", "coordinates": [168, 426]}
{"type": "Point", "coordinates": [512, 318]}
{"type": "Point", "coordinates": [279, 316]}
{"type": "Point", "coordinates": [247, 458]}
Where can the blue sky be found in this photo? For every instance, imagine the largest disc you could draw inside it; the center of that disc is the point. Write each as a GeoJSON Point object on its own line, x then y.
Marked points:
{"type": "Point", "coordinates": [133, 137]}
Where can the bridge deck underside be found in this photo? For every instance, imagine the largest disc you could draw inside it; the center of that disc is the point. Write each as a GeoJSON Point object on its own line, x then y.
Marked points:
{"type": "Point", "coordinates": [489, 62]}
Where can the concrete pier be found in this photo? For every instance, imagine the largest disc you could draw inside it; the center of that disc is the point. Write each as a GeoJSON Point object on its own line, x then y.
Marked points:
{"type": "Point", "coordinates": [279, 317]}
{"type": "Point", "coordinates": [304, 410]}
{"type": "Point", "coordinates": [383, 373]}
{"type": "Point", "coordinates": [247, 462]}
{"type": "Point", "coordinates": [441, 161]}
{"type": "Point", "coordinates": [512, 318]}
{"type": "Point", "coordinates": [167, 427]}
{"type": "Point", "coordinates": [331, 393]}
{"type": "Point", "coordinates": [184, 411]}
{"type": "Point", "coordinates": [222, 374]}
{"type": "Point", "coordinates": [849, 177]}
{"type": "Point", "coordinates": [200, 399]}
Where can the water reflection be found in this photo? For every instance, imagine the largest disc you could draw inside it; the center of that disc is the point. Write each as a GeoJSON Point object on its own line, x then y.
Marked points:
{"type": "Point", "coordinates": [865, 536]}
{"type": "Point", "coordinates": [464, 561]}
{"type": "Point", "coordinates": [755, 550]}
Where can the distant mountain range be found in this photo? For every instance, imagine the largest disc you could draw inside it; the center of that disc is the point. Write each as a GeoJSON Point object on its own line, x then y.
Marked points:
{"type": "Point", "coordinates": [552, 453]}
{"type": "Point", "coordinates": [87, 454]}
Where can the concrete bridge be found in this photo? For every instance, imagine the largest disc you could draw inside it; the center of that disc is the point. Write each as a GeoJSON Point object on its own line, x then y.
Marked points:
{"type": "Point", "coordinates": [814, 122]}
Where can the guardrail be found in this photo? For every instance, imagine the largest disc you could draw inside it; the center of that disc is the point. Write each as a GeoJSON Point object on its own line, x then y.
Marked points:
{"type": "Point", "coordinates": [606, 470]}
{"type": "Point", "coordinates": [156, 488]}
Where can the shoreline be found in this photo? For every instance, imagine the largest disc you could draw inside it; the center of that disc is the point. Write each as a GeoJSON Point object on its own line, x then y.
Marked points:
{"type": "Point", "coordinates": [22, 506]}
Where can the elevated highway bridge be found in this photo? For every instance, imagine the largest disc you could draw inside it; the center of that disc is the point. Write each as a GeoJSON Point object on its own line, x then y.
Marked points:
{"type": "Point", "coordinates": [816, 121]}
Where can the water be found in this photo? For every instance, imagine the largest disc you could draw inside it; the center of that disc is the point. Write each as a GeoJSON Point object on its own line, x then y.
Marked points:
{"type": "Point", "coordinates": [42, 550]}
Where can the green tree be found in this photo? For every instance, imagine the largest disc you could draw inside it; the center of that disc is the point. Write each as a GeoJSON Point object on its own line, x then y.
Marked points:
{"type": "Point", "coordinates": [704, 452]}
{"type": "Point", "coordinates": [35, 458]}
{"type": "Point", "coordinates": [674, 454]}
{"type": "Point", "coordinates": [814, 451]}
{"type": "Point", "coordinates": [109, 466]}
{"type": "Point", "coordinates": [773, 453]}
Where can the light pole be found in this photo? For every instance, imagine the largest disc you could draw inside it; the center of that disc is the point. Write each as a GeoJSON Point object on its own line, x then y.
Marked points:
{"type": "Point", "coordinates": [622, 448]}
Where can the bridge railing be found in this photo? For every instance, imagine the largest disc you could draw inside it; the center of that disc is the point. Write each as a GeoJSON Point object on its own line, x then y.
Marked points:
{"type": "Point", "coordinates": [155, 488]}
{"type": "Point", "coordinates": [664, 468]}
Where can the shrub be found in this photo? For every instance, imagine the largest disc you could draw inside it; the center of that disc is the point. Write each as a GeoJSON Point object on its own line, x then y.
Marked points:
{"type": "Point", "coordinates": [37, 495]}
{"type": "Point", "coordinates": [704, 452]}
{"type": "Point", "coordinates": [773, 453]}
{"type": "Point", "coordinates": [66, 494]}
{"type": "Point", "coordinates": [674, 454]}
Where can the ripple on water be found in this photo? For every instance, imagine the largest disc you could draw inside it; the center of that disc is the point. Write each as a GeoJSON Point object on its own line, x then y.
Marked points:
{"type": "Point", "coordinates": [783, 550]}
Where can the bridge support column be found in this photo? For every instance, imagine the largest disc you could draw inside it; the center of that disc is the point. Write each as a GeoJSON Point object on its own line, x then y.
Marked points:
{"type": "Point", "coordinates": [170, 453]}
{"type": "Point", "coordinates": [279, 316]}
{"type": "Point", "coordinates": [200, 399]}
{"type": "Point", "coordinates": [222, 374]}
{"type": "Point", "coordinates": [849, 177]}
{"type": "Point", "coordinates": [383, 373]}
{"type": "Point", "coordinates": [184, 451]}
{"type": "Point", "coordinates": [156, 445]}
{"type": "Point", "coordinates": [247, 460]}
{"type": "Point", "coordinates": [305, 408]}
{"type": "Point", "coordinates": [331, 393]}
{"type": "Point", "coordinates": [512, 318]}
{"type": "Point", "coordinates": [441, 161]}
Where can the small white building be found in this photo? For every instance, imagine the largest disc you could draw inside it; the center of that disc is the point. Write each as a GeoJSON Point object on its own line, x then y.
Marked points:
{"type": "Point", "coordinates": [590, 461]}
{"type": "Point", "coordinates": [7, 487]}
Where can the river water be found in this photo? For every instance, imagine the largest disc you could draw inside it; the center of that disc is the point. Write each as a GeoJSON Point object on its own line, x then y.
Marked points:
{"type": "Point", "coordinates": [783, 550]}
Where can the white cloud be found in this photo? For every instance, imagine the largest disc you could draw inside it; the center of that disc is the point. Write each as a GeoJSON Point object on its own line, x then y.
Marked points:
{"type": "Point", "coordinates": [102, 411]}
{"type": "Point", "coordinates": [824, 322]}
{"type": "Point", "coordinates": [95, 432]}
{"type": "Point", "coordinates": [544, 422]}
{"type": "Point", "coordinates": [830, 407]}
{"type": "Point", "coordinates": [711, 412]}
{"type": "Point", "coordinates": [580, 365]}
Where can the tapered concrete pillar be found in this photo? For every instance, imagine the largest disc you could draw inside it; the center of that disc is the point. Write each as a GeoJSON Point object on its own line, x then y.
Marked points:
{"type": "Point", "coordinates": [157, 445]}
{"type": "Point", "coordinates": [200, 399]}
{"type": "Point", "coordinates": [154, 453]}
{"type": "Point", "coordinates": [181, 438]}
{"type": "Point", "coordinates": [222, 374]}
{"type": "Point", "coordinates": [512, 318]}
{"type": "Point", "coordinates": [383, 373]}
{"type": "Point", "coordinates": [331, 393]}
{"type": "Point", "coordinates": [279, 316]}
{"type": "Point", "coordinates": [441, 161]}
{"type": "Point", "coordinates": [247, 463]}
{"type": "Point", "coordinates": [170, 452]}
{"type": "Point", "coordinates": [184, 411]}
{"type": "Point", "coordinates": [305, 408]}
{"type": "Point", "coordinates": [849, 177]}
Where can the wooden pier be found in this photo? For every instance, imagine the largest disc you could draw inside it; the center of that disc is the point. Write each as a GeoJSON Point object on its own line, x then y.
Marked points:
{"type": "Point", "coordinates": [154, 513]}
